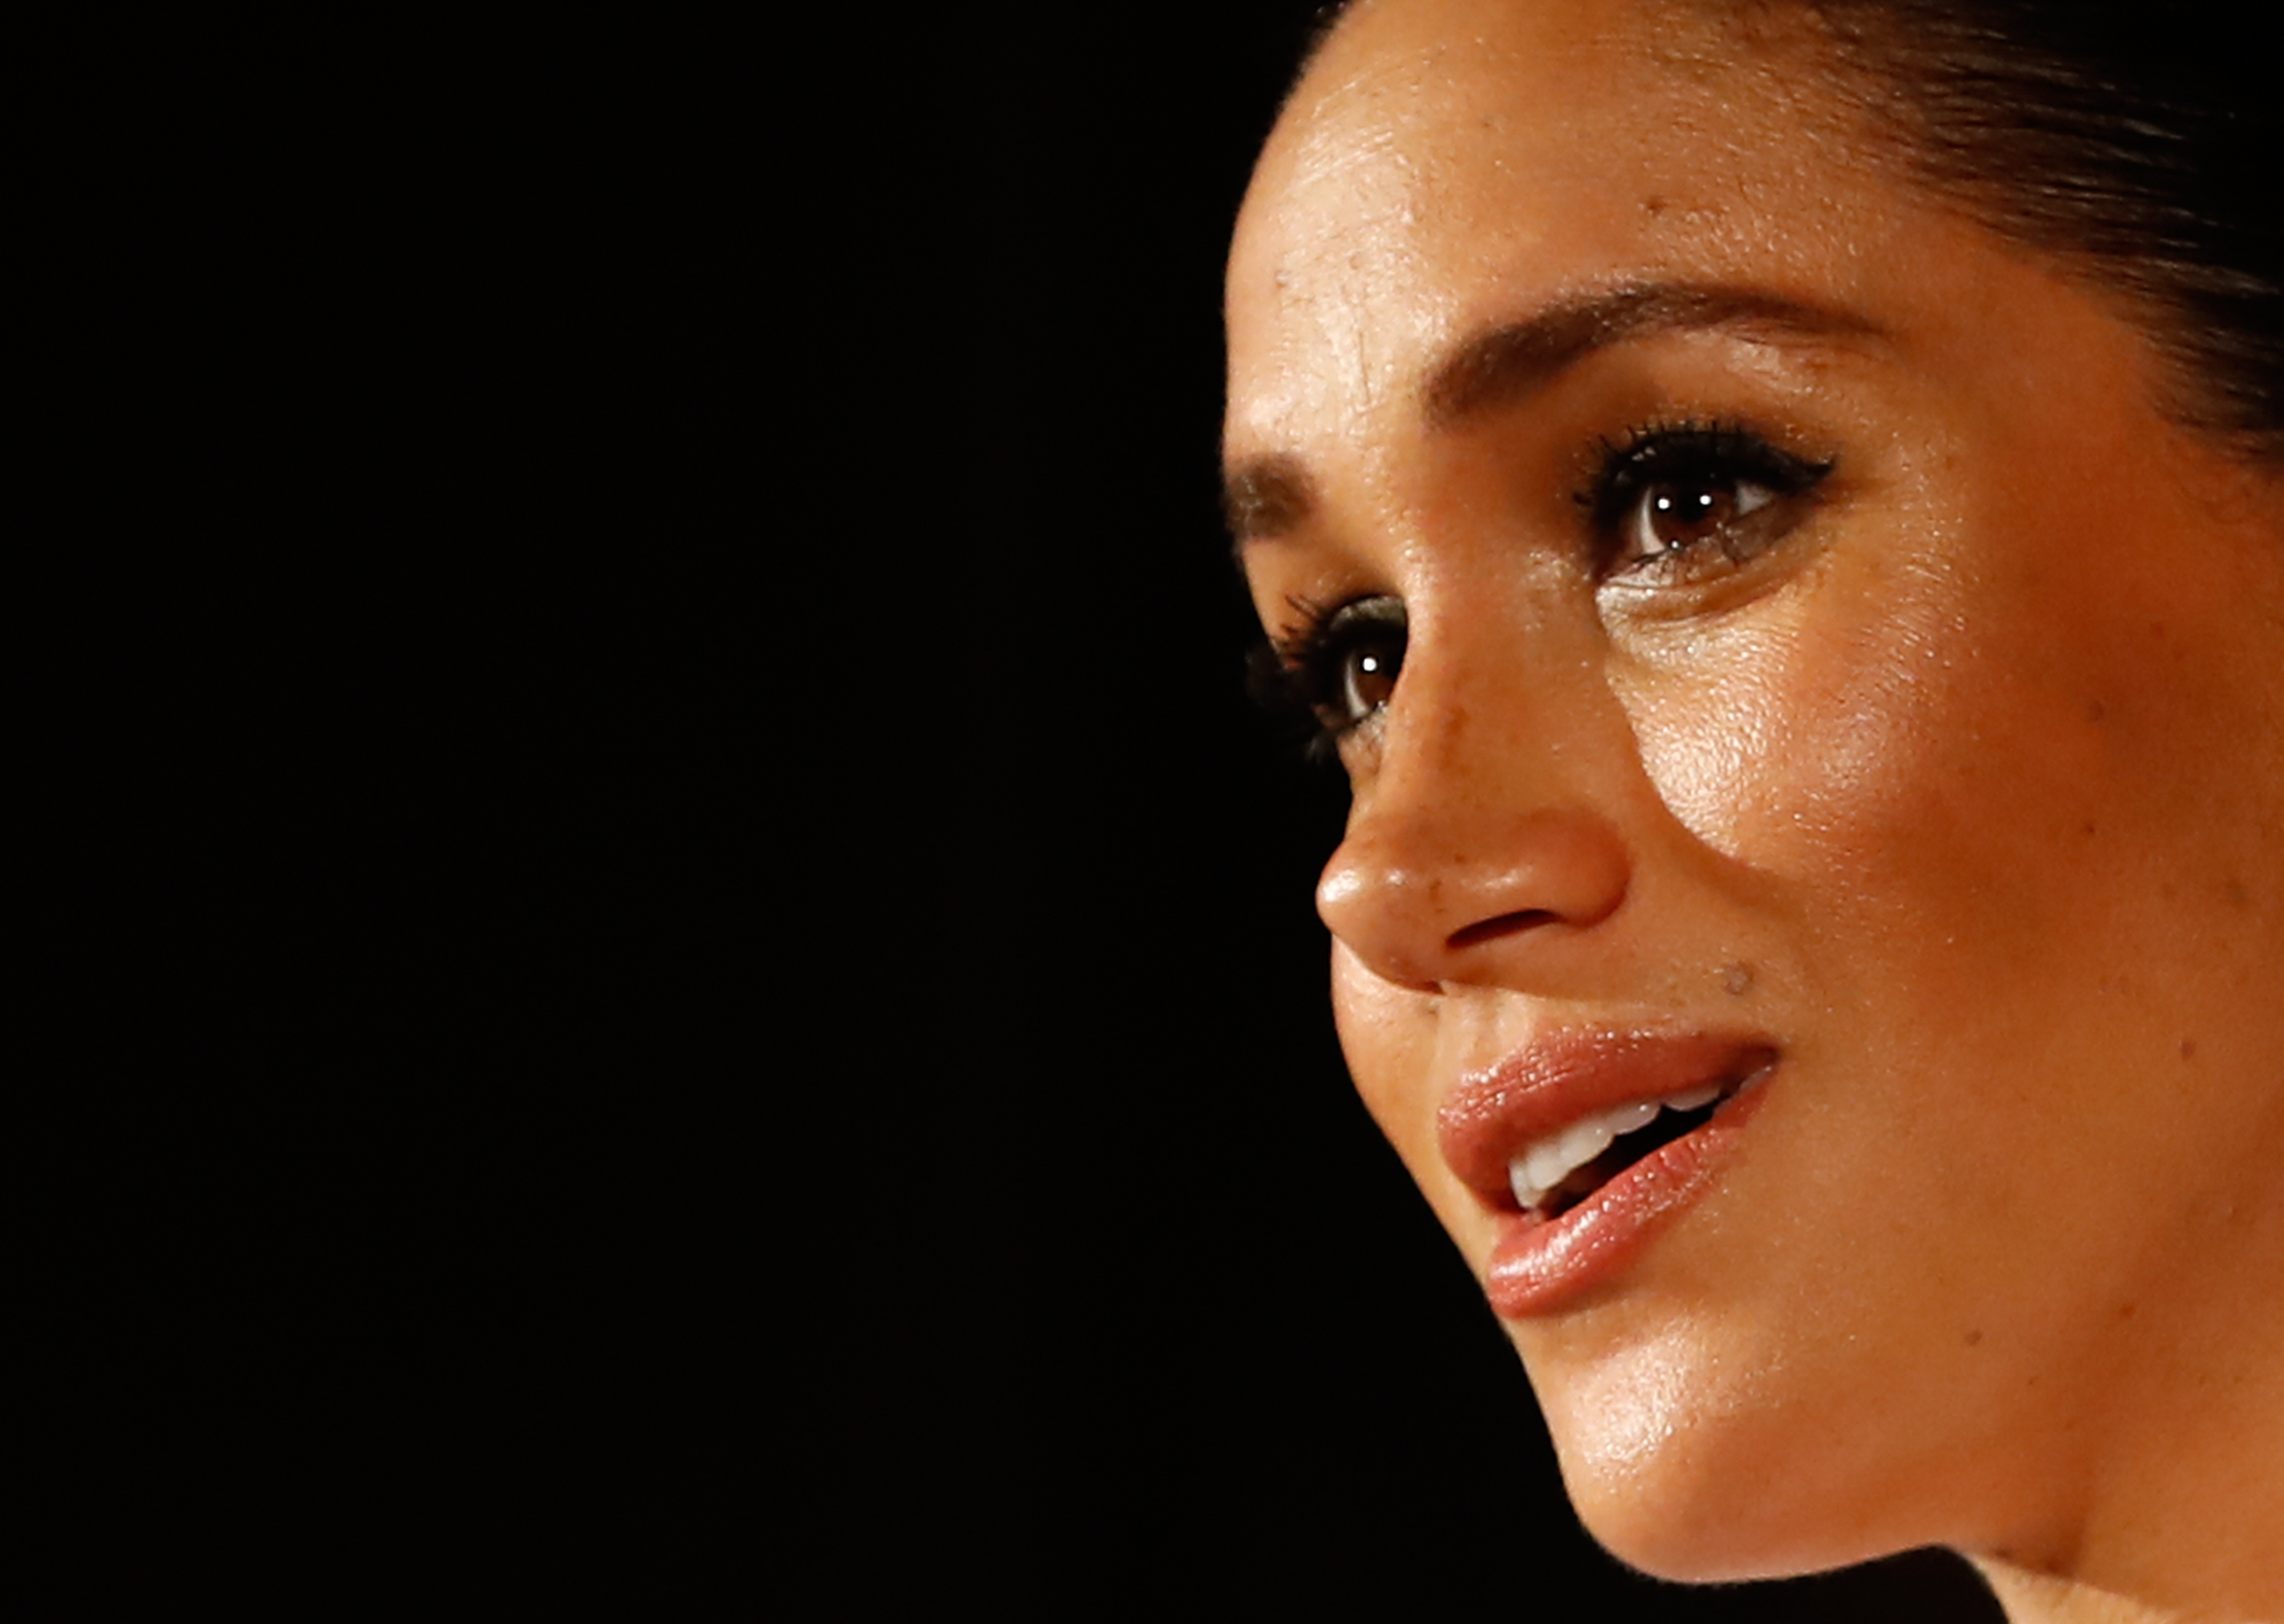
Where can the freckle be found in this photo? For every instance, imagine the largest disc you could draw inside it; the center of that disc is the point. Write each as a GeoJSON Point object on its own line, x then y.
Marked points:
{"type": "Point", "coordinates": [2234, 891]}
{"type": "Point", "coordinates": [1653, 206]}
{"type": "Point", "coordinates": [2089, 829]}
{"type": "Point", "coordinates": [2126, 1312]}
{"type": "Point", "coordinates": [2188, 1049]}
{"type": "Point", "coordinates": [1738, 979]}
{"type": "Point", "coordinates": [2096, 711]}
{"type": "Point", "coordinates": [1973, 1337]}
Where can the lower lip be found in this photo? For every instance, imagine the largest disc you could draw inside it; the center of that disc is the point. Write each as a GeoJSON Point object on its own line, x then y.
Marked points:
{"type": "Point", "coordinates": [1541, 1265]}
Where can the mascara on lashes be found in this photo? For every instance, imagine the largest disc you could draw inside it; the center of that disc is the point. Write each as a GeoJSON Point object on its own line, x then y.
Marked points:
{"type": "Point", "coordinates": [1304, 672]}
{"type": "Point", "coordinates": [1688, 458]}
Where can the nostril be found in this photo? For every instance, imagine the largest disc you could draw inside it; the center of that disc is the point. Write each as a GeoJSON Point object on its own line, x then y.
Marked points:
{"type": "Point", "coordinates": [1425, 898]}
{"type": "Point", "coordinates": [1504, 924]}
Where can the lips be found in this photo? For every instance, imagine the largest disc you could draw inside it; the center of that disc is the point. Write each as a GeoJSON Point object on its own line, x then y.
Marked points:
{"type": "Point", "coordinates": [1583, 1143]}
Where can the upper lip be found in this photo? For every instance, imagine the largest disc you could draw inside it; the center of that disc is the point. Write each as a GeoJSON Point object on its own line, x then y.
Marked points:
{"type": "Point", "coordinates": [1560, 1077]}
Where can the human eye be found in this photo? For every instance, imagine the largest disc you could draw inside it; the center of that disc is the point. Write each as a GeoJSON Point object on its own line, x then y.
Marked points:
{"type": "Point", "coordinates": [1337, 666]}
{"type": "Point", "coordinates": [1672, 505]}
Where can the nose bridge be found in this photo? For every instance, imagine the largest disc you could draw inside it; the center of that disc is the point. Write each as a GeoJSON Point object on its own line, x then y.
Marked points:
{"type": "Point", "coordinates": [1487, 830]}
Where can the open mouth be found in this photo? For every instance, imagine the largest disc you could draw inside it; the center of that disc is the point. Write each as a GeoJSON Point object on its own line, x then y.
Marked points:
{"type": "Point", "coordinates": [1551, 1175]}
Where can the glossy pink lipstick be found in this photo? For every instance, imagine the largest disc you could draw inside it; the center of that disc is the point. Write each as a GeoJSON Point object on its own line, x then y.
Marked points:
{"type": "Point", "coordinates": [1511, 1131]}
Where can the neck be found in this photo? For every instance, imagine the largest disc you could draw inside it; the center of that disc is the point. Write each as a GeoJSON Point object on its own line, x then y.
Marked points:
{"type": "Point", "coordinates": [2174, 1521]}
{"type": "Point", "coordinates": [2041, 1598]}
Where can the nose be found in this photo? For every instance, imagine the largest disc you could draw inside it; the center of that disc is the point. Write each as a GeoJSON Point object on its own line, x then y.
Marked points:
{"type": "Point", "coordinates": [1469, 857]}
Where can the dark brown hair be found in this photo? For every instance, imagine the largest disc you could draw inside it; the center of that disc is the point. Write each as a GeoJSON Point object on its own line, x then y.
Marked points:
{"type": "Point", "coordinates": [2138, 144]}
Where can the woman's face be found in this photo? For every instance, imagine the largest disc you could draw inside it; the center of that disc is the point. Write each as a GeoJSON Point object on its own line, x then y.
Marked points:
{"type": "Point", "coordinates": [1778, 649]}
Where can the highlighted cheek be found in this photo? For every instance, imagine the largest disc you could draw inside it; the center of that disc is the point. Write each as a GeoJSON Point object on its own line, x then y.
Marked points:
{"type": "Point", "coordinates": [1783, 735]}
{"type": "Point", "coordinates": [1709, 761]}
{"type": "Point", "coordinates": [1704, 775]}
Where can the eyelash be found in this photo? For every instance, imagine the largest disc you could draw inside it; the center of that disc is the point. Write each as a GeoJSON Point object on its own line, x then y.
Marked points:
{"type": "Point", "coordinates": [1690, 458]}
{"type": "Point", "coordinates": [1304, 672]}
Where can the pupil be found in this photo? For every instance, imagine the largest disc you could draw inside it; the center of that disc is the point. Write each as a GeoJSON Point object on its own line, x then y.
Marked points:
{"type": "Point", "coordinates": [1683, 516]}
{"type": "Point", "coordinates": [1371, 679]}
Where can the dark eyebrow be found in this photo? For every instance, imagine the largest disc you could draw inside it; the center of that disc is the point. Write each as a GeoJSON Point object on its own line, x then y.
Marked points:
{"type": "Point", "coordinates": [1263, 497]}
{"type": "Point", "coordinates": [1266, 496]}
{"type": "Point", "coordinates": [1516, 359]}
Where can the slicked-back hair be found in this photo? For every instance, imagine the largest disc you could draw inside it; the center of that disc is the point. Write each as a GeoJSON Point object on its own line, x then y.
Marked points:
{"type": "Point", "coordinates": [2140, 146]}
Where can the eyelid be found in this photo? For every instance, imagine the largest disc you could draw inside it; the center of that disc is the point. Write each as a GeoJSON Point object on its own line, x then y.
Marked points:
{"type": "Point", "coordinates": [1624, 467]}
{"type": "Point", "coordinates": [1302, 674]}
{"type": "Point", "coordinates": [1311, 636]}
{"type": "Point", "coordinates": [1715, 452]}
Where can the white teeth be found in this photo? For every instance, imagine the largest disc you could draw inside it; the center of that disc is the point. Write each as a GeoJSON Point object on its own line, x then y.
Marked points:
{"type": "Point", "coordinates": [1534, 1171]}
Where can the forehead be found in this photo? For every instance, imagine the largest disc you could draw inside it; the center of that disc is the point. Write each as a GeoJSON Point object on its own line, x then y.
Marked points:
{"type": "Point", "coordinates": [1447, 165]}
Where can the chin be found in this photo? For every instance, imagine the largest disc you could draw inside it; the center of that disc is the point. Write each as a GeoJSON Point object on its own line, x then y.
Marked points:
{"type": "Point", "coordinates": [1714, 1529]}
{"type": "Point", "coordinates": [1706, 1485]}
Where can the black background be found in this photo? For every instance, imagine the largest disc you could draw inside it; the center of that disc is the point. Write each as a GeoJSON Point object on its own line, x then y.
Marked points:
{"type": "Point", "coordinates": [778, 1030]}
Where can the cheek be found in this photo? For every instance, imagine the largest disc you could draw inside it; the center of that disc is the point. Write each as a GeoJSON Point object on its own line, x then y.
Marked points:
{"type": "Point", "coordinates": [1990, 818]}
{"type": "Point", "coordinates": [1853, 741]}
{"type": "Point", "coordinates": [1776, 739]}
